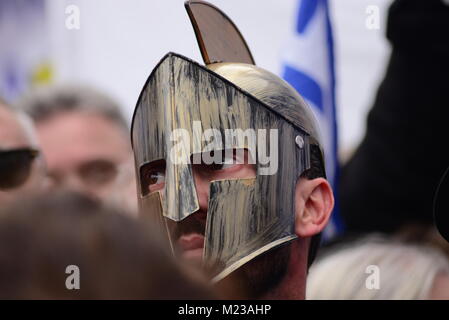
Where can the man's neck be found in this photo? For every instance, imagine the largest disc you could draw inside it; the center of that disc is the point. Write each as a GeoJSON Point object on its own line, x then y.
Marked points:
{"type": "Point", "coordinates": [293, 285]}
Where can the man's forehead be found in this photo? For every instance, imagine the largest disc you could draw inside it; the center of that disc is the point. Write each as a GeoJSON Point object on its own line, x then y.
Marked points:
{"type": "Point", "coordinates": [69, 139]}
{"type": "Point", "coordinates": [81, 124]}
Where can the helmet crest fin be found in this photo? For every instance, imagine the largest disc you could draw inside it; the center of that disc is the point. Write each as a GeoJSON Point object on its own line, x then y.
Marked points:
{"type": "Point", "coordinates": [218, 37]}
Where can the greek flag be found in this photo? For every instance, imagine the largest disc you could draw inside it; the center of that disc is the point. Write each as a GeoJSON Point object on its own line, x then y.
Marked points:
{"type": "Point", "coordinates": [308, 65]}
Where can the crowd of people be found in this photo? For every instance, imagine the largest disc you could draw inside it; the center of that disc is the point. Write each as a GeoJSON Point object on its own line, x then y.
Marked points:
{"type": "Point", "coordinates": [70, 196]}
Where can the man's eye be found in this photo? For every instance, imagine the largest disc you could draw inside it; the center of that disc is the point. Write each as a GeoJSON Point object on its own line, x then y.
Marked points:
{"type": "Point", "coordinates": [218, 166]}
{"type": "Point", "coordinates": [152, 176]}
{"type": "Point", "coordinates": [155, 177]}
{"type": "Point", "coordinates": [222, 160]}
{"type": "Point", "coordinates": [98, 172]}
{"type": "Point", "coordinates": [226, 163]}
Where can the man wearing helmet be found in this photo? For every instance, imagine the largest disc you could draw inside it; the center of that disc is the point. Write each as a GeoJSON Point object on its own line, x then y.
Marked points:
{"type": "Point", "coordinates": [229, 163]}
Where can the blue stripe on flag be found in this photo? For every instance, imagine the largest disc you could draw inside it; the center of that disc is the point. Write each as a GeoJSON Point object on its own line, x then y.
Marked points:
{"type": "Point", "coordinates": [306, 11]}
{"type": "Point", "coordinates": [336, 218]}
{"type": "Point", "coordinates": [307, 87]}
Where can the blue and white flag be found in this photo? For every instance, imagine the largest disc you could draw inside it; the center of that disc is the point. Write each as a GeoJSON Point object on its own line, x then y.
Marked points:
{"type": "Point", "coordinates": [308, 65]}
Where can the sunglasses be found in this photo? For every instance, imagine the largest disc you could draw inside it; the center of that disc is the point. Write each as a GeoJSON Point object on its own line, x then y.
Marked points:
{"type": "Point", "coordinates": [15, 167]}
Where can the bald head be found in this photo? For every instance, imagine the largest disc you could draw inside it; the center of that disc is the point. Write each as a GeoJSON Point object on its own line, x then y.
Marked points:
{"type": "Point", "coordinates": [16, 129]}
{"type": "Point", "coordinates": [17, 132]}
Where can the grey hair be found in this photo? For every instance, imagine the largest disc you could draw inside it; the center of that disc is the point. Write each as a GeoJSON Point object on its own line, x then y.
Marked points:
{"type": "Point", "coordinates": [406, 271]}
{"type": "Point", "coordinates": [44, 102]}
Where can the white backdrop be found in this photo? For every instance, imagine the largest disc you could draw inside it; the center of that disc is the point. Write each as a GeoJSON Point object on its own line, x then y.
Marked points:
{"type": "Point", "coordinates": [119, 42]}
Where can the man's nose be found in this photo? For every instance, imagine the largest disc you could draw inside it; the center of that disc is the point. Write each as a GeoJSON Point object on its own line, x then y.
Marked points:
{"type": "Point", "coordinates": [73, 183]}
{"type": "Point", "coordinates": [202, 190]}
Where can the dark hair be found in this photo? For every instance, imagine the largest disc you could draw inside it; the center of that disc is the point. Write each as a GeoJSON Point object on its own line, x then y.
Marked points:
{"type": "Point", "coordinates": [316, 170]}
{"type": "Point", "coordinates": [117, 256]}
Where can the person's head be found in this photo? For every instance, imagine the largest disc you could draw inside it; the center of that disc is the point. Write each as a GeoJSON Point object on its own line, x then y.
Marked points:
{"type": "Point", "coordinates": [379, 268]}
{"type": "Point", "coordinates": [21, 167]}
{"type": "Point", "coordinates": [234, 153]}
{"type": "Point", "coordinates": [69, 246]}
{"type": "Point", "coordinates": [83, 134]}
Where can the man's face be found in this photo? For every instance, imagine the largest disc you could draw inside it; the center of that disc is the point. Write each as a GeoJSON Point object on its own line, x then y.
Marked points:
{"type": "Point", "coordinates": [188, 234]}
{"type": "Point", "coordinates": [22, 170]}
{"type": "Point", "coordinates": [260, 274]}
{"type": "Point", "coordinates": [83, 151]}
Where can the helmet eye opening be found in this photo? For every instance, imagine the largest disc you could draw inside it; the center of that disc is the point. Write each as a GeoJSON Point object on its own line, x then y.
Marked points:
{"type": "Point", "coordinates": [225, 163]}
{"type": "Point", "coordinates": [152, 176]}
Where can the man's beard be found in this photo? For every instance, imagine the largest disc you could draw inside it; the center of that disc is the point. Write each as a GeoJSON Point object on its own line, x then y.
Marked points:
{"type": "Point", "coordinates": [265, 272]}
{"type": "Point", "coordinates": [258, 276]}
{"type": "Point", "coordinates": [187, 226]}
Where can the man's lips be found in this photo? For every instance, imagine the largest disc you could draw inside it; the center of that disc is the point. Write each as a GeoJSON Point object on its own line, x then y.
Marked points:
{"type": "Point", "coordinates": [189, 235]}
{"type": "Point", "coordinates": [191, 241]}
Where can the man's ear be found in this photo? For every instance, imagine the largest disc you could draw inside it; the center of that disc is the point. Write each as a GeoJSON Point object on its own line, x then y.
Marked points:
{"type": "Point", "coordinates": [314, 201]}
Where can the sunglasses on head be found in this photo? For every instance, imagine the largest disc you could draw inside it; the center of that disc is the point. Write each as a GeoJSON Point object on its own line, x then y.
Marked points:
{"type": "Point", "coordinates": [15, 167]}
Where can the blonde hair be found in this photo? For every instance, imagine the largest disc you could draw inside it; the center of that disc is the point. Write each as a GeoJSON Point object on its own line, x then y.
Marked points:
{"type": "Point", "coordinates": [405, 271]}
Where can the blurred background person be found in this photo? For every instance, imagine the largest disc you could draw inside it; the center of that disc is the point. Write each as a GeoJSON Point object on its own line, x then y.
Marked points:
{"type": "Point", "coordinates": [22, 170]}
{"type": "Point", "coordinates": [85, 141]}
{"type": "Point", "coordinates": [403, 271]}
{"type": "Point", "coordinates": [389, 183]}
{"type": "Point", "coordinates": [116, 256]}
